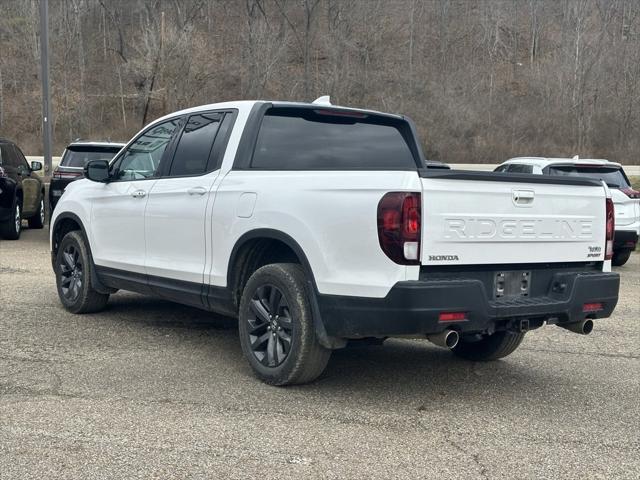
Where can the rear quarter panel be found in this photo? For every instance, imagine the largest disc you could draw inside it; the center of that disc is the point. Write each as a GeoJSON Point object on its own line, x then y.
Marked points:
{"type": "Point", "coordinates": [332, 215]}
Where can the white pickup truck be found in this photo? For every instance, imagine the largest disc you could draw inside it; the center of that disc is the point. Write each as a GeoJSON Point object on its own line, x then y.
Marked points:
{"type": "Point", "coordinates": [316, 225]}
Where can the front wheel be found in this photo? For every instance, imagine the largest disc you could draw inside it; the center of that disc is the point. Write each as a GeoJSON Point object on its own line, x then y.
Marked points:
{"type": "Point", "coordinates": [489, 347]}
{"type": "Point", "coordinates": [73, 276]}
{"type": "Point", "coordinates": [276, 327]}
{"type": "Point", "coordinates": [620, 257]}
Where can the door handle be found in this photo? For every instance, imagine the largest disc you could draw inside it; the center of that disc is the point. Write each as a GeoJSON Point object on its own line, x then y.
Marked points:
{"type": "Point", "coordinates": [139, 194]}
{"type": "Point", "coordinates": [197, 191]}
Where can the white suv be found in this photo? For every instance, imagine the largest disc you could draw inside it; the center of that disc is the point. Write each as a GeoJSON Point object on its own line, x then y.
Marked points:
{"type": "Point", "coordinates": [625, 198]}
{"type": "Point", "coordinates": [316, 225]}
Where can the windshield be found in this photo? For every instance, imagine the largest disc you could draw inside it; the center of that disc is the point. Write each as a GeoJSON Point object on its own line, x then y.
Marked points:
{"type": "Point", "coordinates": [613, 176]}
{"type": "Point", "coordinates": [79, 156]}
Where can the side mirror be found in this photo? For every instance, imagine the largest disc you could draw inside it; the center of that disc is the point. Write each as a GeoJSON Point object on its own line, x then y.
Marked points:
{"type": "Point", "coordinates": [36, 166]}
{"type": "Point", "coordinates": [97, 171]}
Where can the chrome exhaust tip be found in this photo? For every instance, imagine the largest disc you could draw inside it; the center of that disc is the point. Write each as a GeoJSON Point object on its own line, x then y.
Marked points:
{"type": "Point", "coordinates": [446, 339]}
{"type": "Point", "coordinates": [585, 327]}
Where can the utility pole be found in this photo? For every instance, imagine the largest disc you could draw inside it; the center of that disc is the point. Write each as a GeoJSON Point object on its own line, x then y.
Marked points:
{"type": "Point", "coordinates": [46, 98]}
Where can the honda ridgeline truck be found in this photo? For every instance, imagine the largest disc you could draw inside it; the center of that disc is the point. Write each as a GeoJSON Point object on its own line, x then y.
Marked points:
{"type": "Point", "coordinates": [315, 225]}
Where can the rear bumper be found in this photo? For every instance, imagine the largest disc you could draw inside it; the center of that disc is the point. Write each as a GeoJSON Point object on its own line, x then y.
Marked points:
{"type": "Point", "coordinates": [413, 307]}
{"type": "Point", "coordinates": [624, 239]}
{"type": "Point", "coordinates": [56, 188]}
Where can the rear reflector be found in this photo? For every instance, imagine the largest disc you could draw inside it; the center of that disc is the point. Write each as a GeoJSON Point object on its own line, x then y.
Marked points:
{"type": "Point", "coordinates": [592, 307]}
{"type": "Point", "coordinates": [452, 316]}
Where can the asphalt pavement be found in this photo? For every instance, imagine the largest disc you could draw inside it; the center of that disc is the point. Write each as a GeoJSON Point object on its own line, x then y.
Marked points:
{"type": "Point", "coordinates": [150, 389]}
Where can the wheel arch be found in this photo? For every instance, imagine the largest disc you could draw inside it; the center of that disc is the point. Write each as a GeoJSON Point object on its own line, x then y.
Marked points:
{"type": "Point", "coordinates": [274, 237]}
{"type": "Point", "coordinates": [68, 222]}
{"type": "Point", "coordinates": [262, 246]}
{"type": "Point", "coordinates": [65, 223]}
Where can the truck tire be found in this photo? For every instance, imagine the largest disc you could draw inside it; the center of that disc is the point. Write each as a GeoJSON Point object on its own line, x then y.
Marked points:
{"type": "Point", "coordinates": [276, 328]}
{"type": "Point", "coordinates": [73, 267]}
{"type": "Point", "coordinates": [620, 257]}
{"type": "Point", "coordinates": [490, 347]}
{"type": "Point", "coordinates": [11, 229]}
{"type": "Point", "coordinates": [37, 221]}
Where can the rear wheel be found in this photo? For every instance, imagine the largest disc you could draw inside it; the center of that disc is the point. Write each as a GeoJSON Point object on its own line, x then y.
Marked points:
{"type": "Point", "coordinates": [37, 221]}
{"type": "Point", "coordinates": [620, 257]}
{"type": "Point", "coordinates": [73, 276]}
{"type": "Point", "coordinates": [489, 347]}
{"type": "Point", "coordinates": [12, 227]}
{"type": "Point", "coordinates": [276, 327]}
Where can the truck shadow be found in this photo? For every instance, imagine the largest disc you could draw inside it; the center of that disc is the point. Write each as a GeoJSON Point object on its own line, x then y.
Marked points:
{"type": "Point", "coordinates": [413, 372]}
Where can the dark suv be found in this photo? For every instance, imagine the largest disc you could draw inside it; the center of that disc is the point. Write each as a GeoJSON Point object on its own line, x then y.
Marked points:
{"type": "Point", "coordinates": [21, 192]}
{"type": "Point", "coordinates": [72, 163]}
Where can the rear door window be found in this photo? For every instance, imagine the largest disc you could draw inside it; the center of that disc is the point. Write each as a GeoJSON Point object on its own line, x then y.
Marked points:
{"type": "Point", "coordinates": [613, 176]}
{"type": "Point", "coordinates": [194, 148]}
{"type": "Point", "coordinates": [520, 168]}
{"type": "Point", "coordinates": [309, 139]}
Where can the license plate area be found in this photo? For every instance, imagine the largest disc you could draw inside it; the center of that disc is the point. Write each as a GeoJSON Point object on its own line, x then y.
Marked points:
{"type": "Point", "coordinates": [512, 284]}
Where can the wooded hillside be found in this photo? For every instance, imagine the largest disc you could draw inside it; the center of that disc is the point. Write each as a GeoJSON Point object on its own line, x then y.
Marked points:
{"type": "Point", "coordinates": [483, 80]}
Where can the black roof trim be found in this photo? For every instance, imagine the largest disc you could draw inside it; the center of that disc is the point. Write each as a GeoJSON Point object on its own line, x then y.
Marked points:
{"type": "Point", "coordinates": [505, 177]}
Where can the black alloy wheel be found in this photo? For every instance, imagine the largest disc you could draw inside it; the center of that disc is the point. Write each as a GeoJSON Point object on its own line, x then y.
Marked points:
{"type": "Point", "coordinates": [270, 326]}
{"type": "Point", "coordinates": [71, 272]}
{"type": "Point", "coordinates": [276, 326]}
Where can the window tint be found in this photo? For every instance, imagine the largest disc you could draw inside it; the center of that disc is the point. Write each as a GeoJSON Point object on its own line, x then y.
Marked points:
{"type": "Point", "coordinates": [518, 168]}
{"type": "Point", "coordinates": [20, 158]}
{"type": "Point", "coordinates": [78, 156]}
{"type": "Point", "coordinates": [4, 155]}
{"type": "Point", "coordinates": [7, 156]}
{"type": "Point", "coordinates": [296, 139]}
{"type": "Point", "coordinates": [613, 176]}
{"type": "Point", "coordinates": [194, 147]}
{"type": "Point", "coordinates": [501, 168]}
{"type": "Point", "coordinates": [21, 161]}
{"type": "Point", "coordinates": [142, 158]}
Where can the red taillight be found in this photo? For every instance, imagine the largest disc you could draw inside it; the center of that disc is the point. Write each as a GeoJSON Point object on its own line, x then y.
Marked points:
{"type": "Point", "coordinates": [65, 175]}
{"type": "Point", "coordinates": [399, 227]}
{"type": "Point", "coordinates": [592, 307]}
{"type": "Point", "coordinates": [452, 316]}
{"type": "Point", "coordinates": [3, 174]}
{"type": "Point", "coordinates": [610, 228]}
{"type": "Point", "coordinates": [630, 192]}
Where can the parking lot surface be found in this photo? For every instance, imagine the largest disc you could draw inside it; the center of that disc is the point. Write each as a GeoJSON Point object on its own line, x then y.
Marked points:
{"type": "Point", "coordinates": [150, 389]}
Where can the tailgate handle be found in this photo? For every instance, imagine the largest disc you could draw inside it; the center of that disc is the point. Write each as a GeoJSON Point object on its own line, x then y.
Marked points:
{"type": "Point", "coordinates": [523, 197]}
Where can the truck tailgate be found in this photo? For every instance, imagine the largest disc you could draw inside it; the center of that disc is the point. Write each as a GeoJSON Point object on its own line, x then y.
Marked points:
{"type": "Point", "coordinates": [476, 219]}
